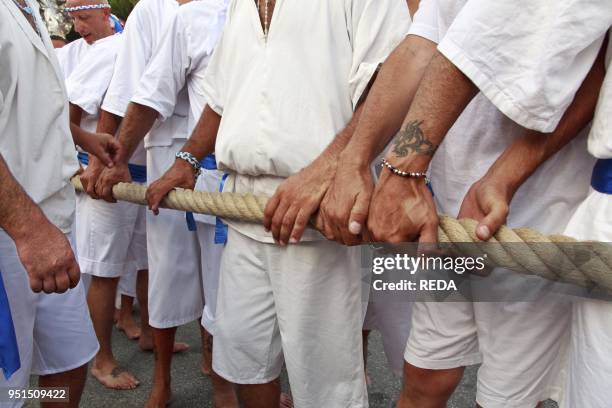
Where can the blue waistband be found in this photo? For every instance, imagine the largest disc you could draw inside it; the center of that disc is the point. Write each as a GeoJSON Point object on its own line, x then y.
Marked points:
{"type": "Point", "coordinates": [601, 180]}
{"type": "Point", "coordinates": [209, 162]}
{"type": "Point", "coordinates": [138, 172]}
{"type": "Point", "coordinates": [9, 351]}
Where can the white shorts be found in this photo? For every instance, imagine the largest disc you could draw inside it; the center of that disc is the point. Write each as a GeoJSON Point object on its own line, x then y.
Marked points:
{"type": "Point", "coordinates": [127, 284]}
{"type": "Point", "coordinates": [521, 345]}
{"type": "Point", "coordinates": [392, 318]}
{"type": "Point", "coordinates": [590, 358]}
{"type": "Point", "coordinates": [111, 237]}
{"type": "Point", "coordinates": [303, 302]}
{"type": "Point", "coordinates": [175, 282]}
{"type": "Point", "coordinates": [210, 255]}
{"type": "Point", "coordinates": [54, 332]}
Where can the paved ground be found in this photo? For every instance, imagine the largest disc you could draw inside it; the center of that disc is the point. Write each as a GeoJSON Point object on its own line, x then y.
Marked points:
{"type": "Point", "coordinates": [192, 389]}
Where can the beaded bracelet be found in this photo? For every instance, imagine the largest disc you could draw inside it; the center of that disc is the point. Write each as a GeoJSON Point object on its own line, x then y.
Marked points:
{"type": "Point", "coordinates": [401, 173]}
{"type": "Point", "coordinates": [190, 158]}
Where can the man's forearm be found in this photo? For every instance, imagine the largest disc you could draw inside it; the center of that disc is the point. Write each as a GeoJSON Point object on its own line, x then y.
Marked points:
{"type": "Point", "coordinates": [441, 97]}
{"type": "Point", "coordinates": [390, 98]}
{"type": "Point", "coordinates": [17, 210]}
{"type": "Point", "coordinates": [204, 136]}
{"type": "Point", "coordinates": [138, 121]}
{"type": "Point", "coordinates": [75, 113]}
{"type": "Point", "coordinates": [108, 123]}
{"type": "Point", "coordinates": [527, 153]}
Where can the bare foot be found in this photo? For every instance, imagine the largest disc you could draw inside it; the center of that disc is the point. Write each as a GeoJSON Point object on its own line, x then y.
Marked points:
{"type": "Point", "coordinates": [127, 325]}
{"type": "Point", "coordinates": [368, 379]}
{"type": "Point", "coordinates": [160, 396]}
{"type": "Point", "coordinates": [158, 400]}
{"type": "Point", "coordinates": [146, 344]}
{"type": "Point", "coordinates": [112, 376]}
{"type": "Point", "coordinates": [286, 401]}
{"type": "Point", "coordinates": [204, 367]}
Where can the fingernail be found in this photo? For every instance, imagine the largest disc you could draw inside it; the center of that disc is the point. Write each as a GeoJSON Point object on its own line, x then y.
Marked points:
{"type": "Point", "coordinates": [355, 227]}
{"type": "Point", "coordinates": [483, 231]}
{"type": "Point", "coordinates": [293, 241]}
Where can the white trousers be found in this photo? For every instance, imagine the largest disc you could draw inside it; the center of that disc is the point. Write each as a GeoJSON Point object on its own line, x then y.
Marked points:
{"type": "Point", "coordinates": [175, 283]}
{"type": "Point", "coordinates": [301, 304]}
{"type": "Point", "coordinates": [54, 331]}
{"type": "Point", "coordinates": [111, 237]}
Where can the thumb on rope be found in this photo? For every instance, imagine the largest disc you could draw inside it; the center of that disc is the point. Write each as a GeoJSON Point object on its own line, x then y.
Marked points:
{"type": "Point", "coordinates": [359, 214]}
{"type": "Point", "coordinates": [492, 222]}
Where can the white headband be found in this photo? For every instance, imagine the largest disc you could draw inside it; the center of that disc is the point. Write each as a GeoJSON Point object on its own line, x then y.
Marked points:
{"type": "Point", "coordinates": [87, 7]}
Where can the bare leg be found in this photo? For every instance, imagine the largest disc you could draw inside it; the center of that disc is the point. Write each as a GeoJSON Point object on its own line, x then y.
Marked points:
{"type": "Point", "coordinates": [101, 301]}
{"type": "Point", "coordinates": [224, 392]}
{"type": "Point", "coordinates": [424, 388]}
{"type": "Point", "coordinates": [73, 379]}
{"type": "Point", "coordinates": [126, 322]}
{"type": "Point", "coordinates": [206, 363]}
{"type": "Point", "coordinates": [260, 395]}
{"type": "Point", "coordinates": [163, 350]}
{"type": "Point", "coordinates": [364, 337]}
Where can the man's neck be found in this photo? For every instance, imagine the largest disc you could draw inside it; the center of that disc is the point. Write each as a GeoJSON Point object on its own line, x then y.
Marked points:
{"type": "Point", "coordinates": [262, 5]}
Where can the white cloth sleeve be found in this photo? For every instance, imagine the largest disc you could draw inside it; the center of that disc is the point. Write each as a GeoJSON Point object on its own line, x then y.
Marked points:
{"type": "Point", "coordinates": [159, 86]}
{"type": "Point", "coordinates": [376, 27]}
{"type": "Point", "coordinates": [425, 22]}
{"type": "Point", "coordinates": [600, 138]}
{"type": "Point", "coordinates": [132, 58]}
{"type": "Point", "coordinates": [87, 84]}
{"type": "Point", "coordinates": [529, 57]}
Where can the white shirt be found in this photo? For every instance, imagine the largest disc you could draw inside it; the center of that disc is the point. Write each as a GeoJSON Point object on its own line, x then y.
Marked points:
{"type": "Point", "coordinates": [547, 199]}
{"type": "Point", "coordinates": [88, 81]}
{"type": "Point", "coordinates": [283, 101]}
{"type": "Point", "coordinates": [179, 62]}
{"type": "Point", "coordinates": [600, 138]}
{"type": "Point", "coordinates": [35, 138]}
{"type": "Point", "coordinates": [181, 59]}
{"type": "Point", "coordinates": [141, 36]}
{"type": "Point", "coordinates": [528, 56]}
{"type": "Point", "coordinates": [71, 54]}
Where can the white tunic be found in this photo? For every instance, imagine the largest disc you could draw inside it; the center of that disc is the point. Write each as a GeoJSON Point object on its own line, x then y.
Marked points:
{"type": "Point", "coordinates": [187, 46]}
{"type": "Point", "coordinates": [531, 68]}
{"type": "Point", "coordinates": [71, 54]}
{"type": "Point", "coordinates": [590, 362]}
{"type": "Point", "coordinates": [600, 138]}
{"type": "Point", "coordinates": [141, 36]}
{"type": "Point", "coordinates": [35, 138]}
{"type": "Point", "coordinates": [88, 81]}
{"type": "Point", "coordinates": [285, 99]}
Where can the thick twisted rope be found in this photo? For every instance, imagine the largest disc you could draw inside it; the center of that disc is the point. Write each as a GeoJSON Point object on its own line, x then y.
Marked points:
{"type": "Point", "coordinates": [522, 250]}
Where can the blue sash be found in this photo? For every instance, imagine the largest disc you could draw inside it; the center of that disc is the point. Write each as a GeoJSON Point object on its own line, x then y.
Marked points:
{"type": "Point", "coordinates": [208, 163]}
{"type": "Point", "coordinates": [601, 180]}
{"type": "Point", "coordinates": [9, 351]}
{"type": "Point", "coordinates": [138, 173]}
{"type": "Point", "coordinates": [220, 227]}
